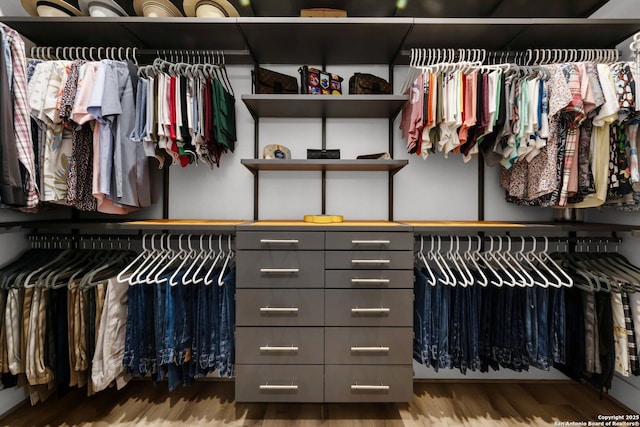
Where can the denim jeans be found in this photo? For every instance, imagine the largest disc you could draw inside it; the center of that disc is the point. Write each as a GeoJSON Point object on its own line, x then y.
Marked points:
{"type": "Point", "coordinates": [227, 324]}
{"type": "Point", "coordinates": [543, 360]}
{"type": "Point", "coordinates": [475, 298]}
{"type": "Point", "coordinates": [444, 354]}
{"type": "Point", "coordinates": [485, 341]}
{"type": "Point", "coordinates": [531, 321]}
{"type": "Point", "coordinates": [421, 314]}
{"type": "Point", "coordinates": [213, 350]}
{"type": "Point", "coordinates": [557, 325]}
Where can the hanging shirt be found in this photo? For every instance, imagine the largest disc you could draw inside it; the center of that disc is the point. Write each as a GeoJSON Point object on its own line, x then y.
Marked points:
{"type": "Point", "coordinates": [18, 80]}
{"type": "Point", "coordinates": [607, 114]}
{"type": "Point", "coordinates": [412, 120]}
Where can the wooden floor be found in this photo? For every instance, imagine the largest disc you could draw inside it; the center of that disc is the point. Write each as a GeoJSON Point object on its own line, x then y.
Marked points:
{"type": "Point", "coordinates": [211, 403]}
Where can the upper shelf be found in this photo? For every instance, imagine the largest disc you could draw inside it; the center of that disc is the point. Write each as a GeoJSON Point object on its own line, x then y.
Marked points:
{"type": "Point", "coordinates": [516, 227]}
{"type": "Point", "coordinates": [318, 41]}
{"type": "Point", "coordinates": [332, 106]}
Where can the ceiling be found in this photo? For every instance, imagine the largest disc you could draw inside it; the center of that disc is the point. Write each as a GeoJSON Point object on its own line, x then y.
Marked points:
{"type": "Point", "coordinates": [414, 8]}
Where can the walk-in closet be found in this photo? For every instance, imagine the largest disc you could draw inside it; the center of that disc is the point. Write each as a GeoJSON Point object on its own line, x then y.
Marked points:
{"type": "Point", "coordinates": [249, 212]}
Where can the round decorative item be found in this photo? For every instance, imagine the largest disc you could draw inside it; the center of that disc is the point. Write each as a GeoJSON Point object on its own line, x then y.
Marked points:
{"type": "Point", "coordinates": [51, 8]}
{"type": "Point", "coordinates": [107, 8]}
{"type": "Point", "coordinates": [158, 8]}
{"type": "Point", "coordinates": [210, 9]}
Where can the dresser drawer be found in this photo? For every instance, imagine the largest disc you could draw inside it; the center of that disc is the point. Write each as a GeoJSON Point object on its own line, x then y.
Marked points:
{"type": "Point", "coordinates": [364, 240]}
{"type": "Point", "coordinates": [280, 269]}
{"type": "Point", "coordinates": [368, 346]}
{"type": "Point", "coordinates": [279, 345]}
{"type": "Point", "coordinates": [368, 383]}
{"type": "Point", "coordinates": [361, 260]}
{"type": "Point", "coordinates": [280, 307]}
{"type": "Point", "coordinates": [369, 307]}
{"type": "Point", "coordinates": [362, 279]}
{"type": "Point", "coordinates": [280, 240]}
{"type": "Point", "coordinates": [279, 383]}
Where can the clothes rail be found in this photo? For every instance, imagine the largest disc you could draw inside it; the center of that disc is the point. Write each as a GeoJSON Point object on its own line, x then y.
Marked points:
{"type": "Point", "coordinates": [422, 57]}
{"type": "Point", "coordinates": [133, 54]}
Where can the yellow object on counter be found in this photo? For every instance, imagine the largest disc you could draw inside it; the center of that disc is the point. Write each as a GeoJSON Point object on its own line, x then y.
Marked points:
{"type": "Point", "coordinates": [323, 219]}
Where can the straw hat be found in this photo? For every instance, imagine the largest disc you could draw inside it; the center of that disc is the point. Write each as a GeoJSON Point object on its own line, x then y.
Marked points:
{"type": "Point", "coordinates": [209, 8]}
{"type": "Point", "coordinates": [51, 8]}
{"type": "Point", "coordinates": [158, 8]}
{"type": "Point", "coordinates": [104, 8]}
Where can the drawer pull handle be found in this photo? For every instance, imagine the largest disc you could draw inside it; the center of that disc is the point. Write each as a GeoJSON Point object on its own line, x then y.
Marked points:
{"type": "Point", "coordinates": [370, 387]}
{"type": "Point", "coordinates": [354, 280]}
{"type": "Point", "coordinates": [380, 349]}
{"type": "Point", "coordinates": [370, 242]}
{"type": "Point", "coordinates": [278, 349]}
{"type": "Point", "coordinates": [381, 310]}
{"type": "Point", "coordinates": [279, 270]}
{"type": "Point", "coordinates": [370, 261]}
{"type": "Point", "coordinates": [278, 309]}
{"type": "Point", "coordinates": [280, 241]}
{"type": "Point", "coordinates": [278, 387]}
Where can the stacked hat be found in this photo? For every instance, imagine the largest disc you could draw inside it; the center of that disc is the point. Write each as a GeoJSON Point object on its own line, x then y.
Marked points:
{"type": "Point", "coordinates": [158, 8]}
{"type": "Point", "coordinates": [209, 9]}
{"type": "Point", "coordinates": [52, 8]}
{"type": "Point", "coordinates": [107, 8]}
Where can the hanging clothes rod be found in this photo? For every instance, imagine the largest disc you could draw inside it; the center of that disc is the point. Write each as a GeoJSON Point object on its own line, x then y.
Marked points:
{"type": "Point", "coordinates": [133, 54]}
{"type": "Point", "coordinates": [430, 56]}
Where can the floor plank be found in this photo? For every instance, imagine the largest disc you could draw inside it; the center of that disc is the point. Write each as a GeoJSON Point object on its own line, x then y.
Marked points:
{"type": "Point", "coordinates": [211, 403]}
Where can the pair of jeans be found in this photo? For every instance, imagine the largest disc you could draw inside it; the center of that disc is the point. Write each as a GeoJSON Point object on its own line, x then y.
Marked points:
{"type": "Point", "coordinates": [140, 339]}
{"type": "Point", "coordinates": [557, 325]}
{"type": "Point", "coordinates": [474, 327]}
{"type": "Point", "coordinates": [227, 324]}
{"type": "Point", "coordinates": [444, 354]}
{"type": "Point", "coordinates": [214, 312]}
{"type": "Point", "coordinates": [421, 313]}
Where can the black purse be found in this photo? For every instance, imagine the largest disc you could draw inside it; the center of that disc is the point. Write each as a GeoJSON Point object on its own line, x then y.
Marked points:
{"type": "Point", "coordinates": [269, 82]}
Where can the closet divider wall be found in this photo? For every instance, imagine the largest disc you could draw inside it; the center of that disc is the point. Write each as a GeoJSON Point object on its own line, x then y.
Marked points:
{"type": "Point", "coordinates": [420, 191]}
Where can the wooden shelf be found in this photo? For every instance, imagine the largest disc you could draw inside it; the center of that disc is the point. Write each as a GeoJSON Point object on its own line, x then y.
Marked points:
{"type": "Point", "coordinates": [318, 41]}
{"type": "Point", "coordinates": [330, 106]}
{"type": "Point", "coordinates": [516, 227]}
{"type": "Point", "coordinates": [183, 225]}
{"type": "Point", "coordinates": [255, 165]}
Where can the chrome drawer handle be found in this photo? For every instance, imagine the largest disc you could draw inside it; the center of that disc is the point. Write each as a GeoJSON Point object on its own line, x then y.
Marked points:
{"type": "Point", "coordinates": [370, 387]}
{"type": "Point", "coordinates": [280, 241]}
{"type": "Point", "coordinates": [279, 270]}
{"type": "Point", "coordinates": [370, 242]}
{"type": "Point", "coordinates": [370, 261]}
{"type": "Point", "coordinates": [380, 349]}
{"type": "Point", "coordinates": [278, 387]}
{"type": "Point", "coordinates": [278, 349]}
{"type": "Point", "coordinates": [354, 280]}
{"type": "Point", "coordinates": [381, 310]}
{"type": "Point", "coordinates": [278, 309]}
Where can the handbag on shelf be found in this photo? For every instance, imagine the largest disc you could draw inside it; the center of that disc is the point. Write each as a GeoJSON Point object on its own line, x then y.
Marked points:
{"type": "Point", "coordinates": [322, 154]}
{"type": "Point", "coordinates": [368, 84]}
{"type": "Point", "coordinates": [270, 82]}
{"type": "Point", "coordinates": [318, 82]}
